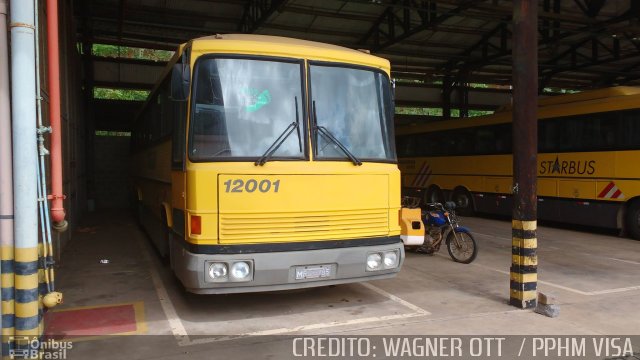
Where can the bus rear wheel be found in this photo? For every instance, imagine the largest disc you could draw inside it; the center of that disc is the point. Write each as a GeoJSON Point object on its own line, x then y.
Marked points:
{"type": "Point", "coordinates": [434, 195]}
{"type": "Point", "coordinates": [632, 220]}
{"type": "Point", "coordinates": [464, 202]}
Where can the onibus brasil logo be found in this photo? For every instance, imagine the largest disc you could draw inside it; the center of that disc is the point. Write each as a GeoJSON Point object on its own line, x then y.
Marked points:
{"type": "Point", "coordinates": [26, 347]}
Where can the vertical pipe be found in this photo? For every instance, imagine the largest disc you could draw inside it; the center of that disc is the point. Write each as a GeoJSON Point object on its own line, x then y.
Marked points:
{"type": "Point", "coordinates": [57, 206]}
{"type": "Point", "coordinates": [524, 264]}
{"type": "Point", "coordinates": [25, 206]}
{"type": "Point", "coordinates": [6, 181]}
{"type": "Point", "coordinates": [50, 298]}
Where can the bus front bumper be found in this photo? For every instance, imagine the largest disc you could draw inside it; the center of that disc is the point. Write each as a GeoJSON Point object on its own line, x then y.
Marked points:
{"type": "Point", "coordinates": [285, 270]}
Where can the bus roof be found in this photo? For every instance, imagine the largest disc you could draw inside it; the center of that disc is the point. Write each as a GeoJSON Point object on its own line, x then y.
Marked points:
{"type": "Point", "coordinates": [590, 95]}
{"type": "Point", "coordinates": [592, 101]}
{"type": "Point", "coordinates": [604, 93]}
{"type": "Point", "coordinates": [285, 47]}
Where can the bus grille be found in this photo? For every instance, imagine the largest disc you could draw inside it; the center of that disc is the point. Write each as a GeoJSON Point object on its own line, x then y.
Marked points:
{"type": "Point", "coordinates": [281, 227]}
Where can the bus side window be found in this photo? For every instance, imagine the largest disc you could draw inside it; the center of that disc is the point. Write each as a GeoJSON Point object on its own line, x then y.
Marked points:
{"type": "Point", "coordinates": [178, 115]}
{"type": "Point", "coordinates": [628, 130]}
{"type": "Point", "coordinates": [485, 141]}
{"type": "Point", "coordinates": [165, 105]}
{"type": "Point", "coordinates": [607, 131]}
{"type": "Point", "coordinates": [503, 139]}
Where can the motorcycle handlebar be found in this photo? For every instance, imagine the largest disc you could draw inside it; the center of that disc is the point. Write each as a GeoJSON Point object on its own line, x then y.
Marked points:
{"type": "Point", "coordinates": [449, 205]}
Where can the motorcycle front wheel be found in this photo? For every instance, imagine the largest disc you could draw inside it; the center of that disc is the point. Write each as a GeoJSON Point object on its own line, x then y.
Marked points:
{"type": "Point", "coordinates": [462, 246]}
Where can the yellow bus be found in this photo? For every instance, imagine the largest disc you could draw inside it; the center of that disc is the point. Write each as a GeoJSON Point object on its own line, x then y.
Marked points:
{"type": "Point", "coordinates": [588, 161]}
{"type": "Point", "coordinates": [265, 163]}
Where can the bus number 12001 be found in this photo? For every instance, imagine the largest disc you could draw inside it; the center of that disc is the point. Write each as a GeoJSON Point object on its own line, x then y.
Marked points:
{"type": "Point", "coordinates": [238, 185]}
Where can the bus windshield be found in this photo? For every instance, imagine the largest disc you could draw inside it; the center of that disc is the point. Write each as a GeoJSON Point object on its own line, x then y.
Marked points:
{"type": "Point", "coordinates": [241, 107]}
{"type": "Point", "coordinates": [354, 106]}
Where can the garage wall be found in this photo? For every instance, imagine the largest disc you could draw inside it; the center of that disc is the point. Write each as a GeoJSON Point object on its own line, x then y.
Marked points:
{"type": "Point", "coordinates": [111, 172]}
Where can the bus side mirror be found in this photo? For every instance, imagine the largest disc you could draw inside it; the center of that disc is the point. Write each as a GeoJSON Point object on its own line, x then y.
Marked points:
{"type": "Point", "coordinates": [180, 81]}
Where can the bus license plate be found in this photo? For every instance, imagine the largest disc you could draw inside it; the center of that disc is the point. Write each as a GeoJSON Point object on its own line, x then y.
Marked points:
{"type": "Point", "coordinates": [313, 272]}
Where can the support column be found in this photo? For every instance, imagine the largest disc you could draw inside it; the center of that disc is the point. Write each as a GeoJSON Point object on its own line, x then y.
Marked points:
{"type": "Point", "coordinates": [524, 260]}
{"type": "Point", "coordinates": [25, 157]}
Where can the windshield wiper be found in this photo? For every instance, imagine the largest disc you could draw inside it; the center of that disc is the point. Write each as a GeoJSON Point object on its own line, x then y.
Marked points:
{"type": "Point", "coordinates": [280, 140]}
{"type": "Point", "coordinates": [327, 134]}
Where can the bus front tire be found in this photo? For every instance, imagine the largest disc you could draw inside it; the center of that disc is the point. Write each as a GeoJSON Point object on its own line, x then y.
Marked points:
{"type": "Point", "coordinates": [632, 220]}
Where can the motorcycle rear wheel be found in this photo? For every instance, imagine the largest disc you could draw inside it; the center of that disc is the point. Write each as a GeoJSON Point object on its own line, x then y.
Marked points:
{"type": "Point", "coordinates": [465, 249]}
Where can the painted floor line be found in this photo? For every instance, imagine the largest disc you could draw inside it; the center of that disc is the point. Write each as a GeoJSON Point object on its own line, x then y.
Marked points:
{"type": "Point", "coordinates": [417, 311]}
{"type": "Point", "coordinates": [618, 290]}
{"type": "Point", "coordinates": [443, 319]}
{"type": "Point", "coordinates": [585, 293]}
{"type": "Point", "coordinates": [176, 325]}
{"type": "Point", "coordinates": [625, 261]}
{"type": "Point", "coordinates": [608, 258]}
{"type": "Point", "coordinates": [491, 236]}
{"type": "Point", "coordinates": [375, 319]}
{"type": "Point", "coordinates": [392, 297]}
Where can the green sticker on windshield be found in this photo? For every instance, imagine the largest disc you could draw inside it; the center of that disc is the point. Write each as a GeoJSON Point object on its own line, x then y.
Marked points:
{"type": "Point", "coordinates": [256, 99]}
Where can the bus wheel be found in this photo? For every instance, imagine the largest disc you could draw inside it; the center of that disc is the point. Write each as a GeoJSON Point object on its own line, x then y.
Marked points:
{"type": "Point", "coordinates": [632, 220]}
{"type": "Point", "coordinates": [434, 195]}
{"type": "Point", "coordinates": [464, 201]}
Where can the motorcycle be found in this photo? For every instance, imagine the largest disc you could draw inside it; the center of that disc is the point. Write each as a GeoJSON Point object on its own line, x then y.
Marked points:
{"type": "Point", "coordinates": [441, 223]}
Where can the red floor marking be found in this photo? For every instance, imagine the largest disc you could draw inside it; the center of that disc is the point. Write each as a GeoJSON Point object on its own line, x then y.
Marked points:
{"type": "Point", "coordinates": [106, 320]}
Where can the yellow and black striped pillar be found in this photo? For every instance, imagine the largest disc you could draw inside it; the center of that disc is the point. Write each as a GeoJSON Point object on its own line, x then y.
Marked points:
{"type": "Point", "coordinates": [524, 261]}
{"type": "Point", "coordinates": [8, 290]}
{"type": "Point", "coordinates": [524, 264]}
{"type": "Point", "coordinates": [27, 297]}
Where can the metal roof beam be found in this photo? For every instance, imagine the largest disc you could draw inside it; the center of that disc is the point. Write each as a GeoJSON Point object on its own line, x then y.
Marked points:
{"type": "Point", "coordinates": [147, 37]}
{"type": "Point", "coordinates": [126, 42]}
{"type": "Point", "coordinates": [327, 13]}
{"type": "Point", "coordinates": [257, 12]}
{"type": "Point", "coordinates": [391, 29]}
{"type": "Point", "coordinates": [123, 85]}
{"type": "Point", "coordinates": [484, 42]}
{"type": "Point", "coordinates": [548, 75]}
{"type": "Point", "coordinates": [130, 61]}
{"type": "Point", "coordinates": [593, 7]}
{"type": "Point", "coordinates": [596, 28]}
{"type": "Point", "coordinates": [153, 14]}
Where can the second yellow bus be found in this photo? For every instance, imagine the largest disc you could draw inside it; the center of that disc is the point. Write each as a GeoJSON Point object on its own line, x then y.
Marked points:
{"type": "Point", "coordinates": [588, 161]}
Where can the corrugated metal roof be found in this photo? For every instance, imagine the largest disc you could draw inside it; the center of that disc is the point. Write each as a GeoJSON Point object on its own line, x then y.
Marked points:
{"type": "Point", "coordinates": [582, 44]}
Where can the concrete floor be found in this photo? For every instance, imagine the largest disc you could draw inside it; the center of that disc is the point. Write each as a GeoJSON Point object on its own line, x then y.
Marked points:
{"type": "Point", "coordinates": [596, 278]}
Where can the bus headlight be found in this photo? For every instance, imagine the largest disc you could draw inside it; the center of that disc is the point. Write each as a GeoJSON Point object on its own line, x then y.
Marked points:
{"type": "Point", "coordinates": [390, 259]}
{"type": "Point", "coordinates": [218, 271]}
{"type": "Point", "coordinates": [240, 270]}
{"type": "Point", "coordinates": [374, 262]}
